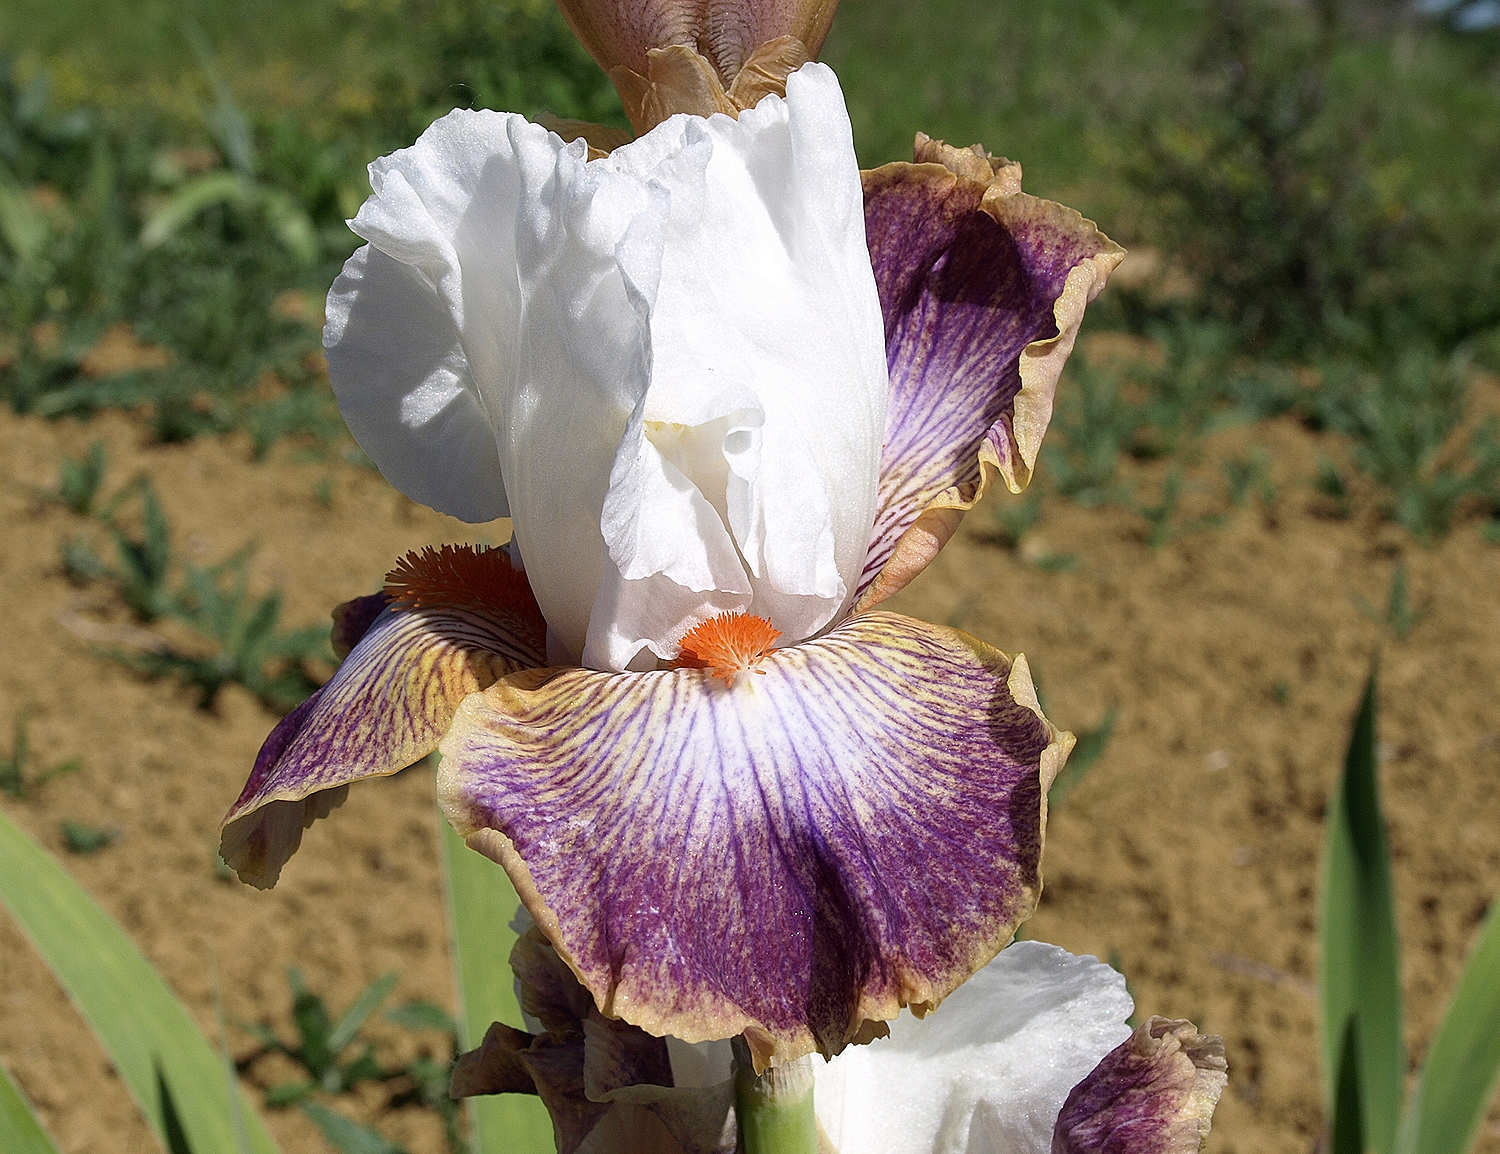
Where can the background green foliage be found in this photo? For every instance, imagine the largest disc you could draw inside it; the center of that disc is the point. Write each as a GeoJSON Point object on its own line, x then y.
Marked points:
{"type": "Point", "coordinates": [1315, 190]}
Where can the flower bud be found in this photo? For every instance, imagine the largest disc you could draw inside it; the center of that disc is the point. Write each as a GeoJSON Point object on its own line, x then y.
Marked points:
{"type": "Point", "coordinates": [698, 56]}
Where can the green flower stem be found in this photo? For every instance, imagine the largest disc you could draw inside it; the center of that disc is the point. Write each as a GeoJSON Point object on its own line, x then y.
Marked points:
{"type": "Point", "coordinates": [775, 1109]}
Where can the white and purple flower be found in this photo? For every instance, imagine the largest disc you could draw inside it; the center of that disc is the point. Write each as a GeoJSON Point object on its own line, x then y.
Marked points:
{"type": "Point", "coordinates": [732, 394]}
{"type": "Point", "coordinates": [1033, 1055]}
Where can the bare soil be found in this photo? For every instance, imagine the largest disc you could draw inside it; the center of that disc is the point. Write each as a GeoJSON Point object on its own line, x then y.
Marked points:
{"type": "Point", "coordinates": [1189, 854]}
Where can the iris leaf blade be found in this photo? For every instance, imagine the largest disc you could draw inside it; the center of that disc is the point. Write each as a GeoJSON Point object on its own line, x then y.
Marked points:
{"type": "Point", "coordinates": [136, 1017]}
{"type": "Point", "coordinates": [1462, 1069]}
{"type": "Point", "coordinates": [1359, 965]}
{"type": "Point", "coordinates": [20, 1132]}
{"type": "Point", "coordinates": [481, 904]}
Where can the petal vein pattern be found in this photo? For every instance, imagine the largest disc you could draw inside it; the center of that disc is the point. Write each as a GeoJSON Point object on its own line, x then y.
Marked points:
{"type": "Point", "coordinates": [454, 620]}
{"type": "Point", "coordinates": [790, 856]}
{"type": "Point", "coordinates": [983, 289]}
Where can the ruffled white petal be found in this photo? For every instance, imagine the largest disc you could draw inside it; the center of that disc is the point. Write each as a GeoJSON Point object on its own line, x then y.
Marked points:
{"type": "Point", "coordinates": [988, 1070]}
{"type": "Point", "coordinates": [767, 361]}
{"type": "Point", "coordinates": [667, 365]}
{"type": "Point", "coordinates": [403, 385]}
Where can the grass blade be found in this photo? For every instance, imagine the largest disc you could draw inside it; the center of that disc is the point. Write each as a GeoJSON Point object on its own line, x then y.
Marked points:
{"type": "Point", "coordinates": [1360, 965]}
{"type": "Point", "coordinates": [136, 1017]}
{"type": "Point", "coordinates": [343, 1033]}
{"type": "Point", "coordinates": [20, 1132]}
{"type": "Point", "coordinates": [346, 1134]}
{"type": "Point", "coordinates": [481, 904]}
{"type": "Point", "coordinates": [1090, 745]}
{"type": "Point", "coordinates": [1463, 1063]}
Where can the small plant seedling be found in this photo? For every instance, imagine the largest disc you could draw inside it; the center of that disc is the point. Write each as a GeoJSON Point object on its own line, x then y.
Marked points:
{"type": "Point", "coordinates": [1405, 423]}
{"type": "Point", "coordinates": [1056, 562]}
{"type": "Point", "coordinates": [15, 778]}
{"type": "Point", "coordinates": [252, 651]}
{"type": "Point", "coordinates": [1093, 427]}
{"type": "Point", "coordinates": [1013, 519]}
{"type": "Point", "coordinates": [1399, 616]}
{"type": "Point", "coordinates": [1489, 529]}
{"type": "Point", "coordinates": [81, 565]}
{"type": "Point", "coordinates": [1281, 692]}
{"type": "Point", "coordinates": [1162, 525]}
{"type": "Point", "coordinates": [322, 1043]}
{"type": "Point", "coordinates": [79, 482]}
{"type": "Point", "coordinates": [1331, 484]}
{"type": "Point", "coordinates": [144, 562]}
{"type": "Point", "coordinates": [323, 1051]}
{"type": "Point", "coordinates": [81, 838]}
{"type": "Point", "coordinates": [429, 1076]}
{"type": "Point", "coordinates": [248, 646]}
{"type": "Point", "coordinates": [1091, 744]}
{"type": "Point", "coordinates": [1251, 474]}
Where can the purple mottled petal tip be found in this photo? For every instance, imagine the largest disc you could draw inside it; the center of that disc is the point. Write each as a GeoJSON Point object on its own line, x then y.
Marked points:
{"type": "Point", "coordinates": [451, 623]}
{"type": "Point", "coordinates": [854, 828]}
{"type": "Point", "coordinates": [1153, 1094]}
{"type": "Point", "coordinates": [983, 289]}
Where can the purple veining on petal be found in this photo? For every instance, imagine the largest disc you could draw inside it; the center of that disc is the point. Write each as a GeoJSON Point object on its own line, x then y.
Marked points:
{"type": "Point", "coordinates": [790, 857]}
{"type": "Point", "coordinates": [967, 281]}
{"type": "Point", "coordinates": [352, 620]}
{"type": "Point", "coordinates": [391, 699]}
{"type": "Point", "coordinates": [1153, 1094]}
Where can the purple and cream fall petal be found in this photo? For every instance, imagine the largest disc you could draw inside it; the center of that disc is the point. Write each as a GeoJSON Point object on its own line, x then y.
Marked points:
{"type": "Point", "coordinates": [982, 288]}
{"type": "Point", "coordinates": [1153, 1094]}
{"type": "Point", "coordinates": [455, 621]}
{"type": "Point", "coordinates": [871, 802]}
{"type": "Point", "coordinates": [352, 620]}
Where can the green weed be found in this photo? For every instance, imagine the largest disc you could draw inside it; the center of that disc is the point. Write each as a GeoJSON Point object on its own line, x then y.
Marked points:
{"type": "Point", "coordinates": [79, 482]}
{"type": "Point", "coordinates": [16, 778]}
{"type": "Point", "coordinates": [1251, 474]}
{"type": "Point", "coordinates": [251, 649]}
{"type": "Point", "coordinates": [244, 640]}
{"type": "Point", "coordinates": [1093, 426]}
{"type": "Point", "coordinates": [1399, 616]}
{"type": "Point", "coordinates": [1013, 519]}
{"type": "Point", "coordinates": [1330, 483]}
{"type": "Point", "coordinates": [1090, 745]}
{"type": "Point", "coordinates": [83, 839]}
{"type": "Point", "coordinates": [1405, 425]}
{"type": "Point", "coordinates": [1163, 521]}
{"type": "Point", "coordinates": [336, 1060]}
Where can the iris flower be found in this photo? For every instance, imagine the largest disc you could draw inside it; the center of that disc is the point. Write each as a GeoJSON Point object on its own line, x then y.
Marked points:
{"type": "Point", "coordinates": [1031, 1056]}
{"type": "Point", "coordinates": [732, 394]}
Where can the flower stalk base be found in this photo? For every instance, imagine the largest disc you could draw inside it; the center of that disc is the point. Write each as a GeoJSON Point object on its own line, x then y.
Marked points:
{"type": "Point", "coordinates": [774, 1110]}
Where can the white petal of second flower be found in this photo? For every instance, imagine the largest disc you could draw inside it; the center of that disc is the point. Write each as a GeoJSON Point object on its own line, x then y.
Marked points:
{"type": "Point", "coordinates": [988, 1070]}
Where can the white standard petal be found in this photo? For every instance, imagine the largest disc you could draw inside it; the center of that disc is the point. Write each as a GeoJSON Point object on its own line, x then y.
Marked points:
{"type": "Point", "coordinates": [988, 1070]}
{"type": "Point", "coordinates": [489, 344]}
{"type": "Point", "coordinates": [768, 380]}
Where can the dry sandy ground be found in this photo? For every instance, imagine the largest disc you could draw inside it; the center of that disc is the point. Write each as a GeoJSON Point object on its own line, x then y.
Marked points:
{"type": "Point", "coordinates": [1235, 656]}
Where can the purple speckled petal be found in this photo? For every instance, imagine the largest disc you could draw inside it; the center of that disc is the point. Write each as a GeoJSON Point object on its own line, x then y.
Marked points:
{"type": "Point", "coordinates": [451, 622]}
{"type": "Point", "coordinates": [854, 827]}
{"type": "Point", "coordinates": [1153, 1094]}
{"type": "Point", "coordinates": [983, 289]}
